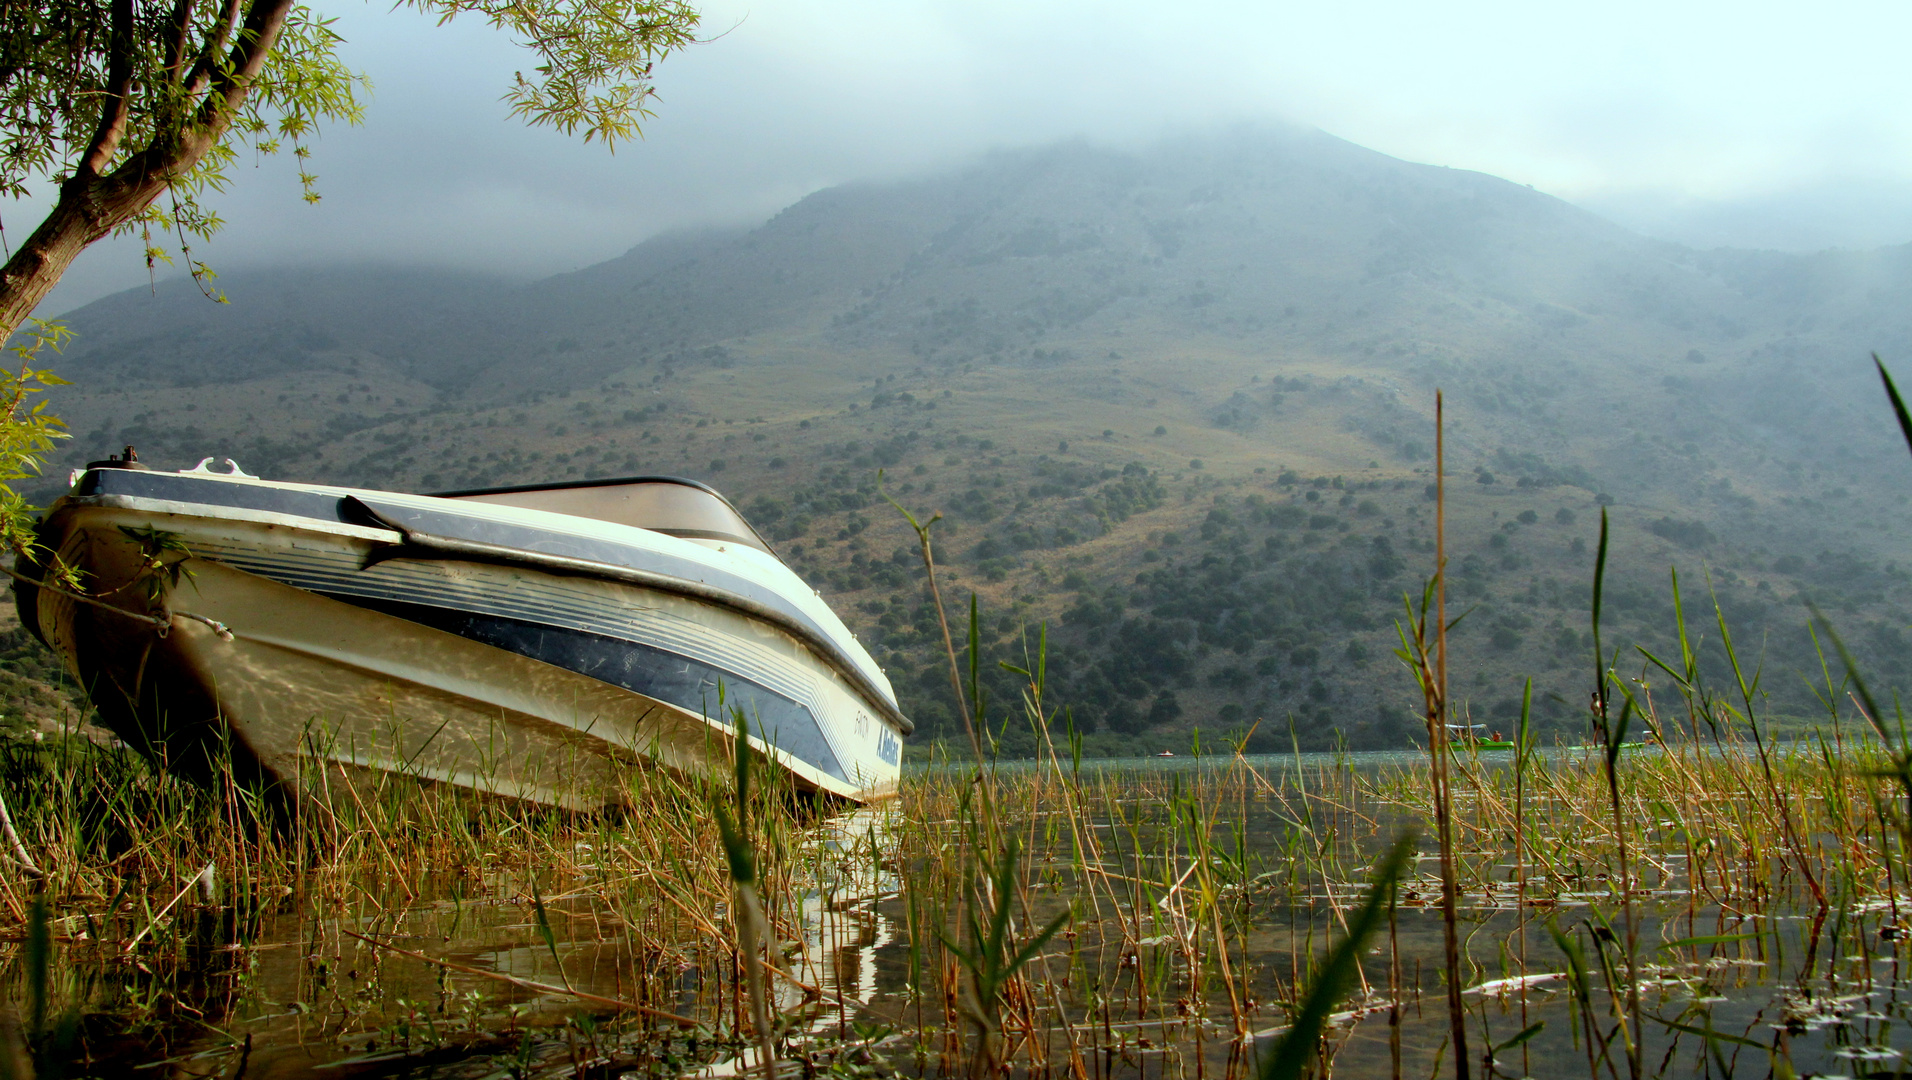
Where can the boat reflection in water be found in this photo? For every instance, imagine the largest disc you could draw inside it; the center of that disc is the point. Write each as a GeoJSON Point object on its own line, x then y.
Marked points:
{"type": "Point", "coordinates": [835, 963]}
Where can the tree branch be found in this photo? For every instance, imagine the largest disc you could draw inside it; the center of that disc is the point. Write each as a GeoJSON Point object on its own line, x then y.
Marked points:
{"type": "Point", "coordinates": [91, 206]}
{"type": "Point", "coordinates": [249, 55]}
{"type": "Point", "coordinates": [145, 174]}
{"type": "Point", "coordinates": [176, 48]}
{"type": "Point", "coordinates": [119, 86]}
{"type": "Point", "coordinates": [208, 61]}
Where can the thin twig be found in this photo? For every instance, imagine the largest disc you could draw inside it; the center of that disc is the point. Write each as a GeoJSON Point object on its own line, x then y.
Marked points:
{"type": "Point", "coordinates": [13, 840]}
{"type": "Point", "coordinates": [154, 921]}
{"type": "Point", "coordinates": [163, 624]}
{"type": "Point", "coordinates": [20, 849]}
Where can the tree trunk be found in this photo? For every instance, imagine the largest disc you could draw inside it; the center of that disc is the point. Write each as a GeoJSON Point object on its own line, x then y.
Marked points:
{"type": "Point", "coordinates": [84, 213]}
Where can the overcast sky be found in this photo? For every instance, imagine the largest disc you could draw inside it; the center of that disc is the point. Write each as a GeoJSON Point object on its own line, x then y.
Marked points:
{"type": "Point", "coordinates": [1711, 123]}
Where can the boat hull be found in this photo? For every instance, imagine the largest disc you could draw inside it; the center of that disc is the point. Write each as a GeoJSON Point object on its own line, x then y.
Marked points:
{"type": "Point", "coordinates": [309, 654]}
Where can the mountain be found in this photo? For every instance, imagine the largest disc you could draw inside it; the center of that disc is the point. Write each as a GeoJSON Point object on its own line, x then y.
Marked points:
{"type": "Point", "coordinates": [1177, 403]}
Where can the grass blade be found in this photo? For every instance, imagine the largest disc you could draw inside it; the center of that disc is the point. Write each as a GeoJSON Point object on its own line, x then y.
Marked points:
{"type": "Point", "coordinates": [1337, 976]}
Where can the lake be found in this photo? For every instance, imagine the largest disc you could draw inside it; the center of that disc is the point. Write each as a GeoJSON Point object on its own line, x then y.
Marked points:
{"type": "Point", "coordinates": [1719, 909]}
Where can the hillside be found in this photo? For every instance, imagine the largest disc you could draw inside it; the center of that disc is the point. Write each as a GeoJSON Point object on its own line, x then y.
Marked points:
{"type": "Point", "coordinates": [1177, 404]}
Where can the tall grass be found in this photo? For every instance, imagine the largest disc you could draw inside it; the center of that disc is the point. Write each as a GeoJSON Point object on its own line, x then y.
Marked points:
{"type": "Point", "coordinates": [1131, 922]}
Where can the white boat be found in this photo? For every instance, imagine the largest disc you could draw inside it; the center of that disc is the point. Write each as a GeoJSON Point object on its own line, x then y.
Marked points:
{"type": "Point", "coordinates": [537, 643]}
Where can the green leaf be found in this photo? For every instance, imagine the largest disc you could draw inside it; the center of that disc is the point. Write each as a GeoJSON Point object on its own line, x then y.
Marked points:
{"type": "Point", "coordinates": [1028, 952]}
{"type": "Point", "coordinates": [1898, 403]}
{"type": "Point", "coordinates": [545, 933]}
{"type": "Point", "coordinates": [1338, 972]}
{"type": "Point", "coordinates": [1709, 1034]}
{"type": "Point", "coordinates": [1526, 1034]}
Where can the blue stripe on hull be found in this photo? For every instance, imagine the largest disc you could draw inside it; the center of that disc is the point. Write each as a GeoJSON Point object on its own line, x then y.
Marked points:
{"type": "Point", "coordinates": [550, 604]}
{"type": "Point", "coordinates": [570, 636]}
{"type": "Point", "coordinates": [662, 676]}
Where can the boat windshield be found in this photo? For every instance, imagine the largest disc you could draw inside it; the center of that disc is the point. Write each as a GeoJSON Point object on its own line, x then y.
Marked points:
{"type": "Point", "coordinates": [675, 507]}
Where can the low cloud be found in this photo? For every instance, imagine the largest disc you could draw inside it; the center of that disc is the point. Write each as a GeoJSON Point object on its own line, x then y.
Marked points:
{"type": "Point", "coordinates": [1697, 121]}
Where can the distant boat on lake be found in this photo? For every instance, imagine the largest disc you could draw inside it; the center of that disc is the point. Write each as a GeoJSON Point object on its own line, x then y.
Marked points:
{"type": "Point", "coordinates": [1473, 735]}
{"type": "Point", "coordinates": [533, 642]}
